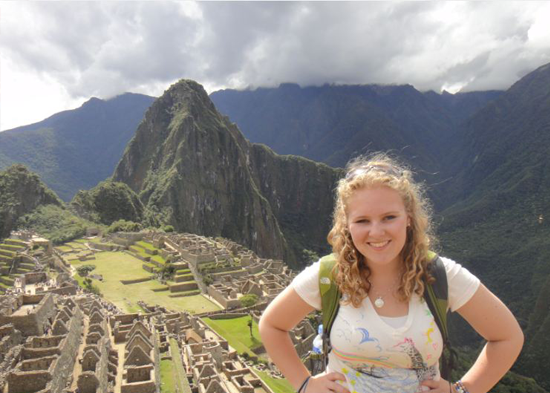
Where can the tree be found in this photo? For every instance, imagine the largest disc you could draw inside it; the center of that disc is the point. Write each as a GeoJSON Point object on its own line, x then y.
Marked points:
{"type": "Point", "coordinates": [249, 300]}
{"type": "Point", "coordinates": [84, 270]}
{"type": "Point", "coordinates": [250, 324]}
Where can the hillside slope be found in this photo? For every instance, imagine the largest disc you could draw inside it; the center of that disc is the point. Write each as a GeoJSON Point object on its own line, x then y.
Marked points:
{"type": "Point", "coordinates": [501, 224]}
{"type": "Point", "coordinates": [76, 149]}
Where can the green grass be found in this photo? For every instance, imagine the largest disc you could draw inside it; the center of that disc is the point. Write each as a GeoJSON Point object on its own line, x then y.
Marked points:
{"type": "Point", "coordinates": [11, 247]}
{"type": "Point", "coordinates": [146, 245]}
{"type": "Point", "coordinates": [158, 258]}
{"type": "Point", "coordinates": [21, 242]}
{"type": "Point", "coordinates": [7, 252]}
{"type": "Point", "coordinates": [237, 333]}
{"type": "Point", "coordinates": [179, 371]}
{"type": "Point", "coordinates": [277, 385]}
{"type": "Point", "coordinates": [167, 377]}
{"type": "Point", "coordinates": [116, 266]}
{"type": "Point", "coordinates": [77, 245]}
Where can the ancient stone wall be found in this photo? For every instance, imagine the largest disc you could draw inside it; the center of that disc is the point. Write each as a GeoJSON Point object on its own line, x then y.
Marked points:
{"type": "Point", "coordinates": [33, 278]}
{"type": "Point", "coordinates": [33, 323]}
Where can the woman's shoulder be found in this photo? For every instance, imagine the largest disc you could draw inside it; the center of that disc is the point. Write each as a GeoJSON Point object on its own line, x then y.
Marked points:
{"type": "Point", "coordinates": [461, 282]}
{"type": "Point", "coordinates": [306, 284]}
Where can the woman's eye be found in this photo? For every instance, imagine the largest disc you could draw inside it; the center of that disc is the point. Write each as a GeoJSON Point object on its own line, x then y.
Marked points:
{"type": "Point", "coordinates": [390, 218]}
{"type": "Point", "coordinates": [362, 221]}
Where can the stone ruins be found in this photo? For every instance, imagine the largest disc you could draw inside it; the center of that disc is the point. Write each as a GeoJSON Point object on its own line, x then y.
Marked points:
{"type": "Point", "coordinates": [55, 337]}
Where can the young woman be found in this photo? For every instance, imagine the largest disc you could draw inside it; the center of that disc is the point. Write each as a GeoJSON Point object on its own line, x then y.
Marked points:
{"type": "Point", "coordinates": [384, 338]}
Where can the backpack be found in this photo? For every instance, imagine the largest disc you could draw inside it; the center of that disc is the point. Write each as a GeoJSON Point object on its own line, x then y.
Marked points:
{"type": "Point", "coordinates": [436, 296]}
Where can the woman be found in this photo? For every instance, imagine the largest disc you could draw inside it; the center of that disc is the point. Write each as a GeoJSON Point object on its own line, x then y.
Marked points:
{"type": "Point", "coordinates": [384, 338]}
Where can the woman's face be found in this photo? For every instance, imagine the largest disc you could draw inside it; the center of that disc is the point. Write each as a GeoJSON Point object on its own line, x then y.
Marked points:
{"type": "Point", "coordinates": [377, 221]}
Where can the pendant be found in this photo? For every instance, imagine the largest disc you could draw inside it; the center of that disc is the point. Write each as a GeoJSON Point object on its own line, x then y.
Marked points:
{"type": "Point", "coordinates": [379, 302]}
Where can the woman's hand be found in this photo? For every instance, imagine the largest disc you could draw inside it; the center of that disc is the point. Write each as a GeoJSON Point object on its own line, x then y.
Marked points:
{"type": "Point", "coordinates": [440, 386]}
{"type": "Point", "coordinates": [327, 383]}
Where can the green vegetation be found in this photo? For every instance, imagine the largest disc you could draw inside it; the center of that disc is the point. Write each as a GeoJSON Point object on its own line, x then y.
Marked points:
{"type": "Point", "coordinates": [167, 376]}
{"type": "Point", "coordinates": [124, 226]}
{"type": "Point", "coordinates": [77, 150]}
{"type": "Point", "coordinates": [21, 191]}
{"type": "Point", "coordinates": [89, 285]}
{"type": "Point", "coordinates": [179, 371]}
{"type": "Point", "coordinates": [276, 384]}
{"type": "Point", "coordinates": [147, 245]}
{"type": "Point", "coordinates": [249, 300]}
{"type": "Point", "coordinates": [237, 333]}
{"type": "Point", "coordinates": [117, 266]}
{"type": "Point", "coordinates": [109, 202]}
{"type": "Point", "coordinates": [55, 223]}
{"type": "Point", "coordinates": [84, 270]}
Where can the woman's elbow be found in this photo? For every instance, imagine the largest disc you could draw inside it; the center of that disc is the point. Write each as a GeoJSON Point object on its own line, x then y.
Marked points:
{"type": "Point", "coordinates": [264, 326]}
{"type": "Point", "coordinates": [519, 338]}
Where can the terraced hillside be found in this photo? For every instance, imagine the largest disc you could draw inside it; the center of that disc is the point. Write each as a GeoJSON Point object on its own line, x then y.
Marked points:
{"type": "Point", "coordinates": [12, 265]}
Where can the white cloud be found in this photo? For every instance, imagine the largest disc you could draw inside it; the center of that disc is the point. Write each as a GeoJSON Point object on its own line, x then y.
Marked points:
{"type": "Point", "coordinates": [69, 51]}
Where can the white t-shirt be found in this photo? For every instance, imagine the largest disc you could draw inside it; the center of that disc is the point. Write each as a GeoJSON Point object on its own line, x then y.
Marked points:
{"type": "Point", "coordinates": [377, 354]}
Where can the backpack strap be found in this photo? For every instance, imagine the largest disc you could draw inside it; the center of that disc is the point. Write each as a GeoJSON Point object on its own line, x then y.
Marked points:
{"type": "Point", "coordinates": [330, 299]}
{"type": "Point", "coordinates": [436, 296]}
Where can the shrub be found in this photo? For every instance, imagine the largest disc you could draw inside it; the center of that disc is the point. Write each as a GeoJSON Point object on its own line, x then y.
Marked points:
{"type": "Point", "coordinates": [124, 226]}
{"type": "Point", "coordinates": [85, 269]}
{"type": "Point", "coordinates": [249, 300]}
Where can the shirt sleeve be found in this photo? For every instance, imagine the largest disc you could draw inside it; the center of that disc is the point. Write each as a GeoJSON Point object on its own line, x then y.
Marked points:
{"type": "Point", "coordinates": [306, 285]}
{"type": "Point", "coordinates": [462, 284]}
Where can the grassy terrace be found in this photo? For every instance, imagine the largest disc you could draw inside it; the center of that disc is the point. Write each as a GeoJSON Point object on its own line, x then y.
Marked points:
{"type": "Point", "coordinates": [11, 247]}
{"type": "Point", "coordinates": [139, 249]}
{"type": "Point", "coordinates": [116, 266]}
{"type": "Point", "coordinates": [237, 333]}
{"type": "Point", "coordinates": [146, 245]}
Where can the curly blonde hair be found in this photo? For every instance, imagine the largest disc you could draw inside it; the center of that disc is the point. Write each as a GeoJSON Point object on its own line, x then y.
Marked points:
{"type": "Point", "coordinates": [352, 270]}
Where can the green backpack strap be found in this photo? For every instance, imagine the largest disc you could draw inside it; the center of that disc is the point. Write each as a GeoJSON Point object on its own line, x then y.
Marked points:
{"type": "Point", "coordinates": [436, 296]}
{"type": "Point", "coordinates": [330, 297]}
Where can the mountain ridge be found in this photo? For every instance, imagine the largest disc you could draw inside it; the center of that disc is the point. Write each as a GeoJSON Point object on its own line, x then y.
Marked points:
{"type": "Point", "coordinates": [78, 148]}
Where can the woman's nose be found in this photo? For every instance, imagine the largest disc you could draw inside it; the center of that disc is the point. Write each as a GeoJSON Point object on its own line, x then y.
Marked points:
{"type": "Point", "coordinates": [376, 229]}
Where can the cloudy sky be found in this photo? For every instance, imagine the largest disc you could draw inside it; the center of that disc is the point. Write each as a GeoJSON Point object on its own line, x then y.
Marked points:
{"type": "Point", "coordinates": [56, 55]}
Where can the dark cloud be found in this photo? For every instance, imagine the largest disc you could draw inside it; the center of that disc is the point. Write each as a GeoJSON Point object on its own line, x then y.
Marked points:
{"type": "Point", "coordinates": [104, 48]}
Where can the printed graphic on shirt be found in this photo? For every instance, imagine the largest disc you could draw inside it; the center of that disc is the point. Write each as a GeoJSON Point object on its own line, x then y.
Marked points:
{"type": "Point", "coordinates": [377, 358]}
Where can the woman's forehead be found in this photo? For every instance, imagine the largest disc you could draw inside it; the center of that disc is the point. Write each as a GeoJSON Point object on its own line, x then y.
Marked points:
{"type": "Point", "coordinates": [374, 201]}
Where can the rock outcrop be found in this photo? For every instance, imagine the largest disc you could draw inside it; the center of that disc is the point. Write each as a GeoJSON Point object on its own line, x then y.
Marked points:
{"type": "Point", "coordinates": [193, 168]}
{"type": "Point", "coordinates": [21, 191]}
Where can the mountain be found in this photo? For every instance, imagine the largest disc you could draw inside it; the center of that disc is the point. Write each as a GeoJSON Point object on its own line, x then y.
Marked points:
{"type": "Point", "coordinates": [194, 170]}
{"type": "Point", "coordinates": [333, 123]}
{"type": "Point", "coordinates": [109, 202]}
{"type": "Point", "coordinates": [501, 221]}
{"type": "Point", "coordinates": [21, 191]}
{"type": "Point", "coordinates": [76, 149]}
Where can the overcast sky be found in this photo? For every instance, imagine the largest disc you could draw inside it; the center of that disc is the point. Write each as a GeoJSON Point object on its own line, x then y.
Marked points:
{"type": "Point", "coordinates": [56, 55]}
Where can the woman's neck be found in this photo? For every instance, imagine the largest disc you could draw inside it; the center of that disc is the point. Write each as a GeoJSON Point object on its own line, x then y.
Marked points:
{"type": "Point", "coordinates": [385, 274]}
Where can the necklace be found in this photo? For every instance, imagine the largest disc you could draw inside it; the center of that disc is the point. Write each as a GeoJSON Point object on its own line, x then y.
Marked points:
{"type": "Point", "coordinates": [379, 301]}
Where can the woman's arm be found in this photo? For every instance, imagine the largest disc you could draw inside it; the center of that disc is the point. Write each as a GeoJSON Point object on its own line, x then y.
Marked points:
{"type": "Point", "coordinates": [494, 322]}
{"type": "Point", "coordinates": [281, 316]}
